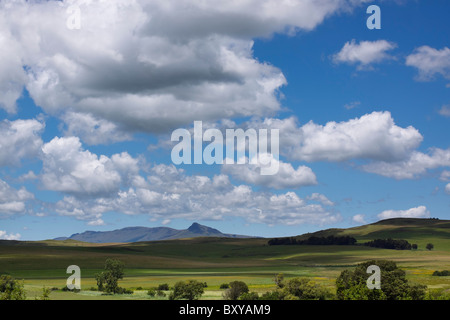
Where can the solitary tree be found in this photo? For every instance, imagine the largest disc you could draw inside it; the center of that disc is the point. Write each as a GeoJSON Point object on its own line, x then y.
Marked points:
{"type": "Point", "coordinates": [430, 246]}
{"type": "Point", "coordinates": [108, 280]}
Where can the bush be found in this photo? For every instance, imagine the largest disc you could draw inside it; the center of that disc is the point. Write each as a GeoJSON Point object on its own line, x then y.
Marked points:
{"type": "Point", "coordinates": [224, 286]}
{"type": "Point", "coordinates": [120, 290]}
{"type": "Point", "coordinates": [45, 294]}
{"type": "Point", "coordinates": [236, 289]}
{"type": "Point", "coordinates": [271, 295]}
{"type": "Point", "coordinates": [190, 290]}
{"type": "Point", "coordinates": [163, 287]}
{"type": "Point", "coordinates": [249, 296]}
{"type": "Point", "coordinates": [443, 273]}
{"type": "Point", "coordinates": [151, 292]}
{"type": "Point", "coordinates": [160, 293]}
{"type": "Point", "coordinates": [11, 289]}
{"type": "Point", "coordinates": [305, 289]}
{"type": "Point", "coordinates": [438, 294]}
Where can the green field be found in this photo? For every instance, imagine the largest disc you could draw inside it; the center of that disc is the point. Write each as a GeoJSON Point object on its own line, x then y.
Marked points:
{"type": "Point", "coordinates": [216, 261]}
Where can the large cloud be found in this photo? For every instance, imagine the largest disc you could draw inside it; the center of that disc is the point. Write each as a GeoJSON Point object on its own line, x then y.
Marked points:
{"type": "Point", "coordinates": [70, 169]}
{"type": "Point", "coordinates": [149, 65]}
{"type": "Point", "coordinates": [373, 136]}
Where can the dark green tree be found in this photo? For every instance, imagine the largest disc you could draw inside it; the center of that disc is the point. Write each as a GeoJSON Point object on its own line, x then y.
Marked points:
{"type": "Point", "coordinates": [236, 289]}
{"type": "Point", "coordinates": [108, 280]}
{"type": "Point", "coordinates": [352, 284]}
{"type": "Point", "coordinates": [429, 246]}
{"type": "Point", "coordinates": [190, 290]}
{"type": "Point", "coordinates": [11, 289]}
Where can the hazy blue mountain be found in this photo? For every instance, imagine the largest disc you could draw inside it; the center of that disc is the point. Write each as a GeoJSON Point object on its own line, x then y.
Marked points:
{"type": "Point", "coordinates": [136, 234]}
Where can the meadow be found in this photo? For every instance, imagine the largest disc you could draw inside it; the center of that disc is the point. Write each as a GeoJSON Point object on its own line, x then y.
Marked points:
{"type": "Point", "coordinates": [221, 260]}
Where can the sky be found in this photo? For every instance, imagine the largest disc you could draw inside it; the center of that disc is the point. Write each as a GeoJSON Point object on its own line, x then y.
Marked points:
{"type": "Point", "coordinates": [91, 92]}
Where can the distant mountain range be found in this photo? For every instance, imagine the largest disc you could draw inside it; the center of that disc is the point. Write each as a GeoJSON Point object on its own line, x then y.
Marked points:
{"type": "Point", "coordinates": [137, 234]}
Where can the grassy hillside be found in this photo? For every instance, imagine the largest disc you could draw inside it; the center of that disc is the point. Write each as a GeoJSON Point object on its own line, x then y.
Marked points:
{"type": "Point", "coordinates": [419, 231]}
{"type": "Point", "coordinates": [219, 260]}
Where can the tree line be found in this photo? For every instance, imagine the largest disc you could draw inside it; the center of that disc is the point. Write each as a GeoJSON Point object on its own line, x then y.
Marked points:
{"type": "Point", "coordinates": [314, 240]}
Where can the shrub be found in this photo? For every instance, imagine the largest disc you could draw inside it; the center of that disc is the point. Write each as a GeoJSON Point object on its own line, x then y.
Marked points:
{"type": "Point", "coordinates": [249, 296]}
{"type": "Point", "coordinates": [11, 289]}
{"type": "Point", "coordinates": [151, 292]}
{"type": "Point", "coordinates": [120, 290]}
{"type": "Point", "coordinates": [224, 286]}
{"type": "Point", "coordinates": [190, 290]}
{"type": "Point", "coordinates": [236, 289]}
{"type": "Point", "coordinates": [160, 293]}
{"type": "Point", "coordinates": [305, 289]}
{"type": "Point", "coordinates": [163, 287]}
{"type": "Point", "coordinates": [438, 294]}
{"type": "Point", "coordinates": [45, 294]}
{"type": "Point", "coordinates": [443, 273]}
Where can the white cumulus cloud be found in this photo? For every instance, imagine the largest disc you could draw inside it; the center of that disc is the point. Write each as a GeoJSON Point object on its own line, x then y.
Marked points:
{"type": "Point", "coordinates": [365, 53]}
{"type": "Point", "coordinates": [13, 201]}
{"type": "Point", "coordinates": [415, 165]}
{"type": "Point", "coordinates": [374, 136]}
{"type": "Point", "coordinates": [418, 212]}
{"type": "Point", "coordinates": [286, 176]}
{"type": "Point", "coordinates": [5, 236]}
{"type": "Point", "coordinates": [70, 169]}
{"type": "Point", "coordinates": [359, 218]}
{"type": "Point", "coordinates": [430, 62]}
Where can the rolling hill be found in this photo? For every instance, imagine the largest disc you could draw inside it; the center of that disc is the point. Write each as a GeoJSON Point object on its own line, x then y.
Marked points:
{"type": "Point", "coordinates": [415, 230]}
{"type": "Point", "coordinates": [140, 234]}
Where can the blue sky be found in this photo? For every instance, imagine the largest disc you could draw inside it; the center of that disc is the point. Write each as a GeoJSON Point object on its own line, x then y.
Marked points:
{"type": "Point", "coordinates": [87, 110]}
